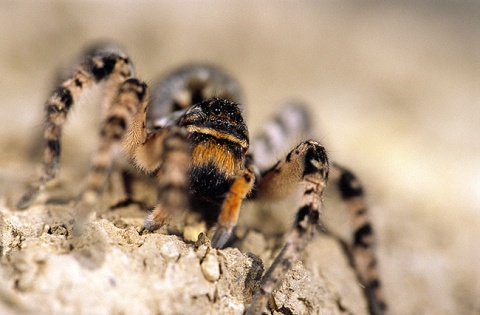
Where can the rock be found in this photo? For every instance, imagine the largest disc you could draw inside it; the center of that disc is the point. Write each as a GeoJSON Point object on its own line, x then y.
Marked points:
{"type": "Point", "coordinates": [211, 267]}
{"type": "Point", "coordinates": [114, 268]}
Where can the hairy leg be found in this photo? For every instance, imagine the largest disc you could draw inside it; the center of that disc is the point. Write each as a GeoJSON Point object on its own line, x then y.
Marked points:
{"type": "Point", "coordinates": [95, 69]}
{"type": "Point", "coordinates": [362, 245]}
{"type": "Point", "coordinates": [290, 124]}
{"type": "Point", "coordinates": [164, 153]}
{"type": "Point", "coordinates": [172, 178]}
{"type": "Point", "coordinates": [130, 96]}
{"type": "Point", "coordinates": [189, 85]}
{"type": "Point", "coordinates": [230, 210]}
{"type": "Point", "coordinates": [307, 164]}
{"type": "Point", "coordinates": [128, 99]}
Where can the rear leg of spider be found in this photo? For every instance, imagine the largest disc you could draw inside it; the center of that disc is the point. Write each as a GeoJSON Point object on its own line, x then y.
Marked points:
{"type": "Point", "coordinates": [291, 122]}
{"type": "Point", "coordinates": [361, 248]}
{"type": "Point", "coordinates": [279, 133]}
{"type": "Point", "coordinates": [307, 164]}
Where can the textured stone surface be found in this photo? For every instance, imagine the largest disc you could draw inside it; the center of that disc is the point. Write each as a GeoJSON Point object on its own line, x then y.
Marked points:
{"type": "Point", "coordinates": [106, 270]}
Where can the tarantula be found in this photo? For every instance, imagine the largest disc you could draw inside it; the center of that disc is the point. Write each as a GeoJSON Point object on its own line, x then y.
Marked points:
{"type": "Point", "coordinates": [190, 135]}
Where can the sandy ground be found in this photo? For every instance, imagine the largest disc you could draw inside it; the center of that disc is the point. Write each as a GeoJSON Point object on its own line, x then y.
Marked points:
{"type": "Point", "coordinates": [393, 89]}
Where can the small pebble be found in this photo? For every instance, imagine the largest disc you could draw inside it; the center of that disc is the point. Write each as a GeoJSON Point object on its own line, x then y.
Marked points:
{"type": "Point", "coordinates": [210, 267]}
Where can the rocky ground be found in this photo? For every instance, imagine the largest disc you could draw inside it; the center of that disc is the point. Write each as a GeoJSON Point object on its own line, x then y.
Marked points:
{"type": "Point", "coordinates": [114, 267]}
{"type": "Point", "coordinates": [393, 89]}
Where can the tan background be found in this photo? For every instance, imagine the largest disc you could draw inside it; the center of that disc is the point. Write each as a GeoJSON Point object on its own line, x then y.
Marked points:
{"type": "Point", "coordinates": [394, 89]}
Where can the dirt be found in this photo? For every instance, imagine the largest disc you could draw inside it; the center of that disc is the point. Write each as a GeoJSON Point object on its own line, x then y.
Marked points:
{"type": "Point", "coordinates": [115, 267]}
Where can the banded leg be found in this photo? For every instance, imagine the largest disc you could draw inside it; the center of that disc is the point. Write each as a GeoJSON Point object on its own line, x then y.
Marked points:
{"type": "Point", "coordinates": [270, 142]}
{"type": "Point", "coordinates": [307, 164]}
{"type": "Point", "coordinates": [98, 68]}
{"type": "Point", "coordinates": [164, 152]}
{"type": "Point", "coordinates": [189, 85]}
{"type": "Point", "coordinates": [362, 246]}
{"type": "Point", "coordinates": [172, 178]}
{"type": "Point", "coordinates": [230, 210]}
{"type": "Point", "coordinates": [290, 124]}
{"type": "Point", "coordinates": [130, 96]}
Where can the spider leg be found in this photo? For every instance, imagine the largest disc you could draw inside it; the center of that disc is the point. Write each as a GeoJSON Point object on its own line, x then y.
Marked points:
{"type": "Point", "coordinates": [189, 85]}
{"type": "Point", "coordinates": [230, 210]}
{"type": "Point", "coordinates": [294, 120]}
{"type": "Point", "coordinates": [97, 68]}
{"type": "Point", "coordinates": [164, 153]}
{"type": "Point", "coordinates": [171, 176]}
{"type": "Point", "coordinates": [278, 133]}
{"type": "Point", "coordinates": [362, 248]}
{"type": "Point", "coordinates": [130, 96]}
{"type": "Point", "coordinates": [306, 164]}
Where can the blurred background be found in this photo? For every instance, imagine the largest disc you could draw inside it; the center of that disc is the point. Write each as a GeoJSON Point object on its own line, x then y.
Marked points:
{"type": "Point", "coordinates": [393, 89]}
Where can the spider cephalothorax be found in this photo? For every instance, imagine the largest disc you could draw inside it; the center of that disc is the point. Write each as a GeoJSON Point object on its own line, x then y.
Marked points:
{"type": "Point", "coordinates": [219, 140]}
{"type": "Point", "coordinates": [192, 138]}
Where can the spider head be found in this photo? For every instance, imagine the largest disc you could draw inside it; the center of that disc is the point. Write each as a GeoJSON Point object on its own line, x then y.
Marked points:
{"type": "Point", "coordinates": [217, 118]}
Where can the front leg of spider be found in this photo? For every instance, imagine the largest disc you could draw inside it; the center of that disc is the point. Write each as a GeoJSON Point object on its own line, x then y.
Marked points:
{"type": "Point", "coordinates": [95, 69]}
{"type": "Point", "coordinates": [231, 208]}
{"type": "Point", "coordinates": [164, 153]}
{"type": "Point", "coordinates": [172, 179]}
{"type": "Point", "coordinates": [130, 96]}
{"type": "Point", "coordinates": [306, 164]}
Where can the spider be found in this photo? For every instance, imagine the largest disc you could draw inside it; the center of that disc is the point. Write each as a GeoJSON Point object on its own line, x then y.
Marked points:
{"type": "Point", "coordinates": [190, 135]}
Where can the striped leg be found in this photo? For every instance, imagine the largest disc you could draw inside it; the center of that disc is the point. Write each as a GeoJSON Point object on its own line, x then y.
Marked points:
{"type": "Point", "coordinates": [290, 124]}
{"type": "Point", "coordinates": [307, 164]}
{"type": "Point", "coordinates": [164, 152]}
{"type": "Point", "coordinates": [172, 177]}
{"type": "Point", "coordinates": [363, 242]}
{"type": "Point", "coordinates": [98, 68]}
{"type": "Point", "coordinates": [189, 85]}
{"type": "Point", "coordinates": [130, 96]}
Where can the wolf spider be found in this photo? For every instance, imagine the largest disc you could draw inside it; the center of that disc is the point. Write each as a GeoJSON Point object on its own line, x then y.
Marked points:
{"type": "Point", "coordinates": [191, 137]}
